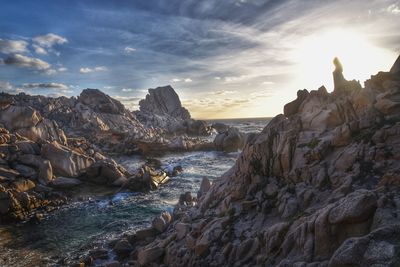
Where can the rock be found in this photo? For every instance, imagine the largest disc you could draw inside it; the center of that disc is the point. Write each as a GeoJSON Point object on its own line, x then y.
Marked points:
{"type": "Point", "coordinates": [182, 229]}
{"type": "Point", "coordinates": [106, 172]}
{"type": "Point", "coordinates": [64, 183]}
{"type": "Point", "coordinates": [122, 248]}
{"type": "Point", "coordinates": [112, 264]}
{"type": "Point", "coordinates": [28, 147]}
{"type": "Point", "coordinates": [45, 170]}
{"type": "Point", "coordinates": [24, 170]}
{"type": "Point", "coordinates": [145, 233]}
{"type": "Point", "coordinates": [164, 100]}
{"type": "Point", "coordinates": [17, 117]}
{"type": "Point", "coordinates": [101, 102]}
{"type": "Point", "coordinates": [161, 222]}
{"type": "Point", "coordinates": [220, 127]}
{"type": "Point", "coordinates": [99, 253]}
{"type": "Point", "coordinates": [204, 187]}
{"type": "Point", "coordinates": [148, 255]}
{"type": "Point", "coordinates": [293, 107]}
{"type": "Point", "coordinates": [396, 67]}
{"type": "Point", "coordinates": [379, 248]}
{"type": "Point", "coordinates": [356, 207]}
{"type": "Point", "coordinates": [23, 185]}
{"type": "Point", "coordinates": [229, 141]}
{"type": "Point", "coordinates": [64, 161]}
{"type": "Point", "coordinates": [9, 174]}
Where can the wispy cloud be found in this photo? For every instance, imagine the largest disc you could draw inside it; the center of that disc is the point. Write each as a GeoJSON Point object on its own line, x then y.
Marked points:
{"type": "Point", "coordinates": [129, 49]}
{"type": "Point", "coordinates": [58, 86]}
{"type": "Point", "coordinates": [49, 40]}
{"type": "Point", "coordinates": [85, 70]}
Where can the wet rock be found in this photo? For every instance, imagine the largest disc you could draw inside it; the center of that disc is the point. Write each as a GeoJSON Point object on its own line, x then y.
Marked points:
{"type": "Point", "coordinates": [122, 248]}
{"type": "Point", "coordinates": [161, 222]}
{"type": "Point", "coordinates": [99, 253]}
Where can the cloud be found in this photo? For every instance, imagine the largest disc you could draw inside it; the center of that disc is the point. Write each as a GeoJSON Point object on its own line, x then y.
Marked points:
{"type": "Point", "coordinates": [39, 50]}
{"type": "Point", "coordinates": [51, 85]}
{"type": "Point", "coordinates": [12, 46]}
{"type": "Point", "coordinates": [44, 43]}
{"type": "Point", "coordinates": [394, 9]}
{"type": "Point", "coordinates": [129, 50]}
{"type": "Point", "coordinates": [49, 40]}
{"type": "Point", "coordinates": [224, 92]}
{"type": "Point", "coordinates": [26, 62]}
{"type": "Point", "coordinates": [90, 70]}
{"type": "Point", "coordinates": [62, 69]}
{"type": "Point", "coordinates": [177, 80]}
{"type": "Point", "coordinates": [5, 86]}
{"type": "Point", "coordinates": [127, 89]}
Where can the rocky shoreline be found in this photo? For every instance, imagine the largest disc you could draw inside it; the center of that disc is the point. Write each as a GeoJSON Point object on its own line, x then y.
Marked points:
{"type": "Point", "coordinates": [50, 145]}
{"type": "Point", "coordinates": [319, 186]}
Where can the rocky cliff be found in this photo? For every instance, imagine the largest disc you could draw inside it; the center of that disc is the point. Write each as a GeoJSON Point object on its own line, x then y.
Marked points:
{"type": "Point", "coordinates": [319, 186]}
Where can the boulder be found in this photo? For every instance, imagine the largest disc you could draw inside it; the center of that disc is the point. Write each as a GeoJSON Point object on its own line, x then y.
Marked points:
{"type": "Point", "coordinates": [66, 162]}
{"type": "Point", "coordinates": [17, 117]}
{"type": "Point", "coordinates": [106, 172]}
{"type": "Point", "coordinates": [229, 141]}
{"type": "Point", "coordinates": [44, 167]}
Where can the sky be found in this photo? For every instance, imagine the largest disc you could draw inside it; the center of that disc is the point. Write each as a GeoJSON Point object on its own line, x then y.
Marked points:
{"type": "Point", "coordinates": [225, 58]}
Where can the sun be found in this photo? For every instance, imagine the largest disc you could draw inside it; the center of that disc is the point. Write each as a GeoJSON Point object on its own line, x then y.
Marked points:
{"type": "Point", "coordinates": [360, 58]}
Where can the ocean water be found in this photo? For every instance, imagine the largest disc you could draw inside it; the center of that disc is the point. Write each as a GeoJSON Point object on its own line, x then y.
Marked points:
{"type": "Point", "coordinates": [98, 214]}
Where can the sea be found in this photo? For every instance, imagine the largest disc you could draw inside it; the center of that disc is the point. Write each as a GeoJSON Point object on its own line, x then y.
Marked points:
{"type": "Point", "coordinates": [96, 214]}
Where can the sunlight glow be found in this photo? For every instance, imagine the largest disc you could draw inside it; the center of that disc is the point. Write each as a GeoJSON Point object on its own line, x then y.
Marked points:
{"type": "Point", "coordinates": [359, 57]}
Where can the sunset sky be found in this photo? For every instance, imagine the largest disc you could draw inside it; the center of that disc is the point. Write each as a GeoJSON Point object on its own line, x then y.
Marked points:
{"type": "Point", "coordinates": [225, 58]}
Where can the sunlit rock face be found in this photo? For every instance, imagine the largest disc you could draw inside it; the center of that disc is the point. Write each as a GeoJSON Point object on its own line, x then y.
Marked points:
{"type": "Point", "coordinates": [318, 186]}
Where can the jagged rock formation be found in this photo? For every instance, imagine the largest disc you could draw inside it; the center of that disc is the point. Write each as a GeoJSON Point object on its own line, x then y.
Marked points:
{"type": "Point", "coordinates": [93, 115]}
{"type": "Point", "coordinates": [162, 109]}
{"type": "Point", "coordinates": [319, 186]}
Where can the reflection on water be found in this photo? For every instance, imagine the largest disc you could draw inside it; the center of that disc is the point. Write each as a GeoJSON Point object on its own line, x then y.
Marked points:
{"type": "Point", "coordinates": [98, 214]}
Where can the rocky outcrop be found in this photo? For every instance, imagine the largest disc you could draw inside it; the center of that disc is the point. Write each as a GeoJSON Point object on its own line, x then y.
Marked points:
{"type": "Point", "coordinates": [164, 101]}
{"type": "Point", "coordinates": [231, 140]}
{"type": "Point", "coordinates": [93, 115]}
{"type": "Point", "coordinates": [162, 109]}
{"type": "Point", "coordinates": [318, 187]}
